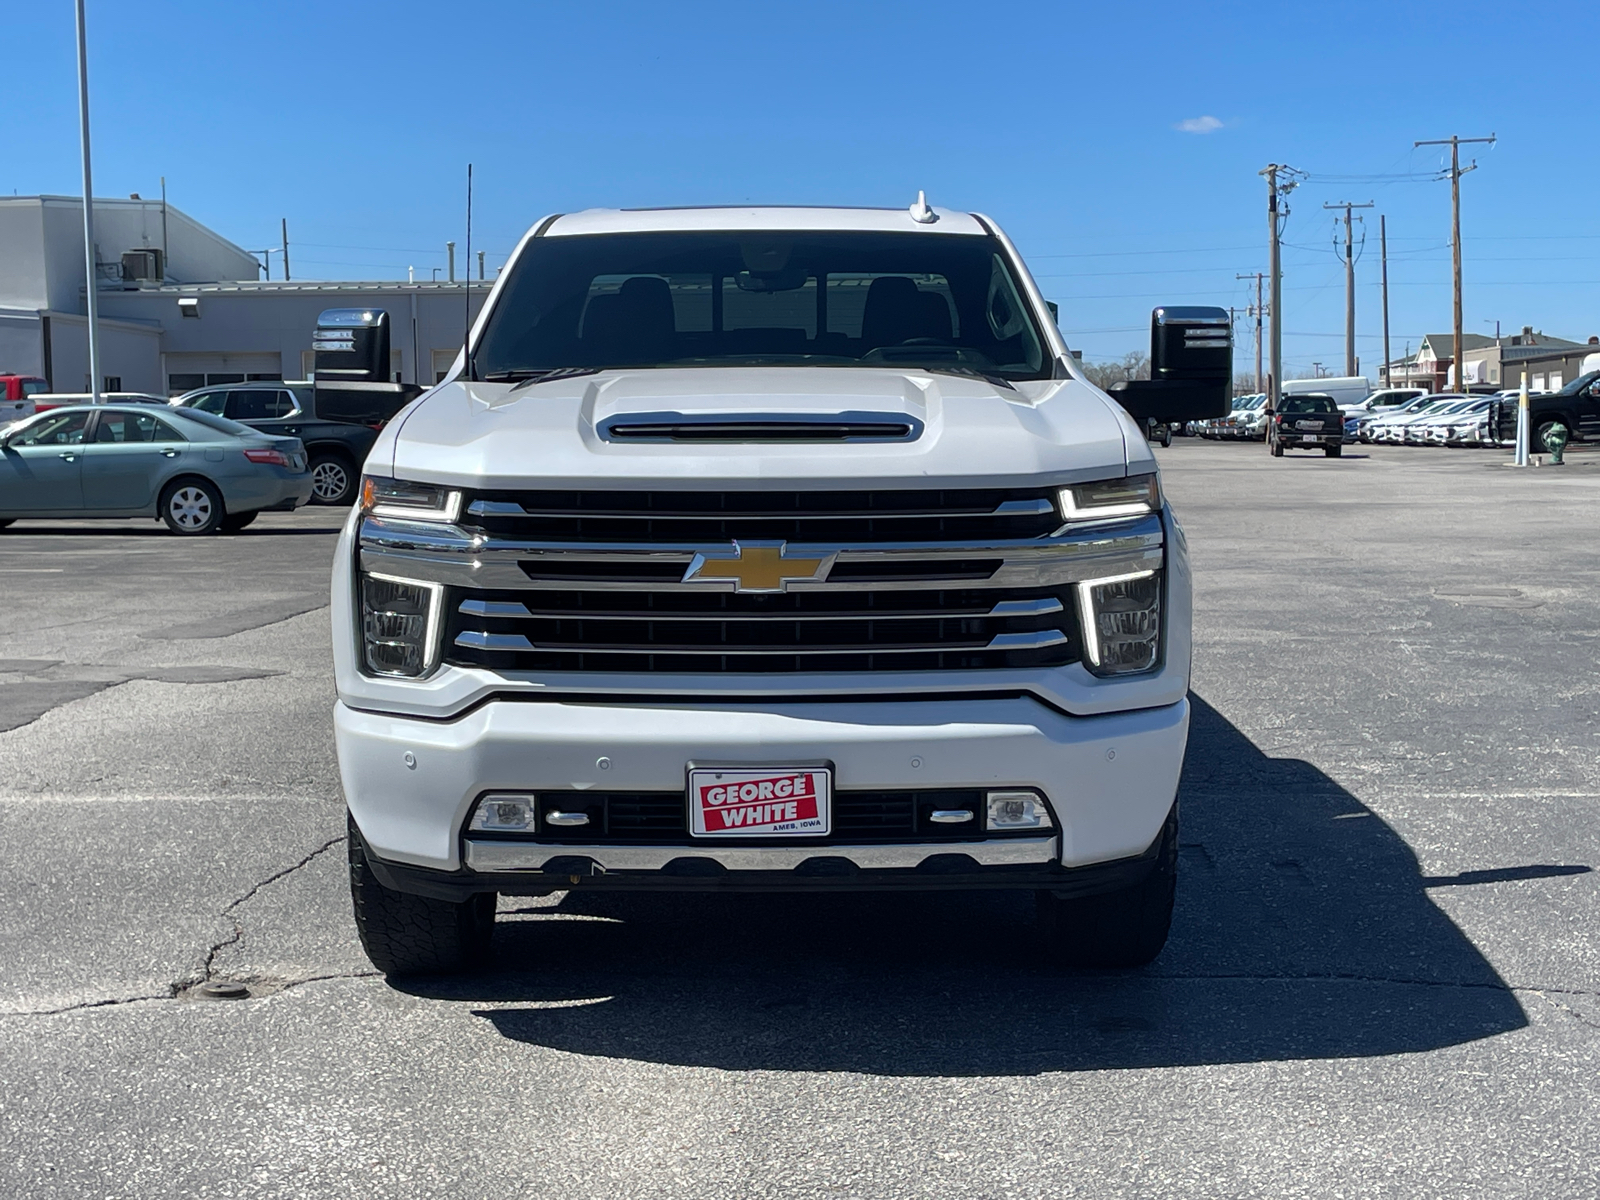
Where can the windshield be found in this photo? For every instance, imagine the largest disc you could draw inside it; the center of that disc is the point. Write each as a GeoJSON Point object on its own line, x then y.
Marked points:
{"type": "Point", "coordinates": [937, 301]}
{"type": "Point", "coordinates": [1307, 404]}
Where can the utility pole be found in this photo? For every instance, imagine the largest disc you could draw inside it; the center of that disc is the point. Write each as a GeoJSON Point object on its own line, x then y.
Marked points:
{"type": "Point", "coordinates": [91, 259]}
{"type": "Point", "coordinates": [480, 264]}
{"type": "Point", "coordinates": [450, 249]}
{"type": "Point", "coordinates": [285, 249]}
{"type": "Point", "coordinates": [1349, 284]}
{"type": "Point", "coordinates": [1277, 211]}
{"type": "Point", "coordinates": [1455, 144]}
{"type": "Point", "coordinates": [1383, 253]}
{"type": "Point", "coordinates": [1255, 311]}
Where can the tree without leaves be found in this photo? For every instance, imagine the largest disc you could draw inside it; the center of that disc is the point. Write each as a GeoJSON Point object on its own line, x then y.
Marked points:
{"type": "Point", "coordinates": [1133, 365]}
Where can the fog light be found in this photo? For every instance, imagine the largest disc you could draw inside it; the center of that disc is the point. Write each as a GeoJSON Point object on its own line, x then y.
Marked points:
{"type": "Point", "coordinates": [502, 813]}
{"type": "Point", "coordinates": [1017, 810]}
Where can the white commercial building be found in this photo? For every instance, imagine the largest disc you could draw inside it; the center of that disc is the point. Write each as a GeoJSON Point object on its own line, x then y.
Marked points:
{"type": "Point", "coordinates": [231, 327]}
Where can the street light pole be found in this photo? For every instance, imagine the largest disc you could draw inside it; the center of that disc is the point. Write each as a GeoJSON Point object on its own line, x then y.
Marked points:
{"type": "Point", "coordinates": [91, 266]}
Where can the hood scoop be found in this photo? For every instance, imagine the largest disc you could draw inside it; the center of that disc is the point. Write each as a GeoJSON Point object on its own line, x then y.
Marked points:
{"type": "Point", "coordinates": [761, 427]}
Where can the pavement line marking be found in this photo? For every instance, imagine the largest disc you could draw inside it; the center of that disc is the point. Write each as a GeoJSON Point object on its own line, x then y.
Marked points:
{"type": "Point", "coordinates": [31, 570]}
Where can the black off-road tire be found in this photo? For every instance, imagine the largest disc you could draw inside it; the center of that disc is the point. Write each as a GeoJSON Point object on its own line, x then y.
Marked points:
{"type": "Point", "coordinates": [1277, 448]}
{"type": "Point", "coordinates": [234, 522]}
{"type": "Point", "coordinates": [1333, 451]}
{"type": "Point", "coordinates": [1540, 445]}
{"type": "Point", "coordinates": [1117, 930]}
{"type": "Point", "coordinates": [1166, 436]}
{"type": "Point", "coordinates": [405, 934]}
{"type": "Point", "coordinates": [333, 479]}
{"type": "Point", "coordinates": [192, 507]}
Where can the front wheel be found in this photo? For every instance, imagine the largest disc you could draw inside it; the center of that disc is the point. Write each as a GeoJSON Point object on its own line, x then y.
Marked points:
{"type": "Point", "coordinates": [192, 507]}
{"type": "Point", "coordinates": [1121, 929]}
{"type": "Point", "coordinates": [333, 481]}
{"type": "Point", "coordinates": [405, 934]}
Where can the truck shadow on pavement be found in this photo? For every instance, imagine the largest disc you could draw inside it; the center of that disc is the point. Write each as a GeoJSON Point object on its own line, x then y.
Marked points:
{"type": "Point", "coordinates": [1303, 930]}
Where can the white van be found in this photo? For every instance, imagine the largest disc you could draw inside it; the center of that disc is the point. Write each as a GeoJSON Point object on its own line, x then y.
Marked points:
{"type": "Point", "coordinates": [1345, 389]}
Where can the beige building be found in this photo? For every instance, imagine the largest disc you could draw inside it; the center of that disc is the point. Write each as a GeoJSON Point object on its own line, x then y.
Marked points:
{"type": "Point", "coordinates": [1499, 362]}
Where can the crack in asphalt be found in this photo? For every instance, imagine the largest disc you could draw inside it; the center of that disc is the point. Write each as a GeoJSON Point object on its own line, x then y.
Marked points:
{"type": "Point", "coordinates": [237, 935]}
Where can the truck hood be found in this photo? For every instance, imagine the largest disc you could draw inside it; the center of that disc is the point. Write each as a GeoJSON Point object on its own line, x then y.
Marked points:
{"type": "Point", "coordinates": [967, 432]}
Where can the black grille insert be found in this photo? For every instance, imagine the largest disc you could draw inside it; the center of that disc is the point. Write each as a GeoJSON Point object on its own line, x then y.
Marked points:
{"type": "Point", "coordinates": [858, 816]}
{"type": "Point", "coordinates": [715, 632]}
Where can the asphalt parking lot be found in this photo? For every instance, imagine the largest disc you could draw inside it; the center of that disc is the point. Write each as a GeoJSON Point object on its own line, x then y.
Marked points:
{"type": "Point", "coordinates": [1383, 979]}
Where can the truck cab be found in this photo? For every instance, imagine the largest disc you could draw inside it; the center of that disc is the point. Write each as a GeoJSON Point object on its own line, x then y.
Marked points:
{"type": "Point", "coordinates": [769, 550]}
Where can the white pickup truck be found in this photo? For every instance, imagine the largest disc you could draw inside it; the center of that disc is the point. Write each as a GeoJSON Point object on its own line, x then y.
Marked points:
{"type": "Point", "coordinates": [761, 549]}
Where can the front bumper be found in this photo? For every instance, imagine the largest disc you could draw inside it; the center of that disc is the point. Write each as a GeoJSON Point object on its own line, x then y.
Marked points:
{"type": "Point", "coordinates": [411, 784]}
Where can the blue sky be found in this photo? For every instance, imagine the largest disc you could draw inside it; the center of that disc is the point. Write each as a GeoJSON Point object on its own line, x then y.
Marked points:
{"type": "Point", "coordinates": [355, 121]}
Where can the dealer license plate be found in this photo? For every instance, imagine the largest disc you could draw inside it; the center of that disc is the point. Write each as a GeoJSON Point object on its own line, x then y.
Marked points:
{"type": "Point", "coordinates": [760, 801]}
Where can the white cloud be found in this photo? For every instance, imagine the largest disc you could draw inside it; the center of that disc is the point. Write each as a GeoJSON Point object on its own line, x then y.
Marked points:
{"type": "Point", "coordinates": [1199, 125]}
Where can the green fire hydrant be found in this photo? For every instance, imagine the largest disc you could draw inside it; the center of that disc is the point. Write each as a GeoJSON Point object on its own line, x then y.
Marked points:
{"type": "Point", "coordinates": [1556, 442]}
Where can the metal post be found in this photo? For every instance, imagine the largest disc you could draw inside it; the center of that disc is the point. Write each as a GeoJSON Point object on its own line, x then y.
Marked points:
{"type": "Point", "coordinates": [285, 249]}
{"type": "Point", "coordinates": [1383, 251]}
{"type": "Point", "coordinates": [450, 249]}
{"type": "Point", "coordinates": [90, 258]}
{"type": "Point", "coordinates": [163, 229]}
{"type": "Point", "coordinates": [1521, 458]}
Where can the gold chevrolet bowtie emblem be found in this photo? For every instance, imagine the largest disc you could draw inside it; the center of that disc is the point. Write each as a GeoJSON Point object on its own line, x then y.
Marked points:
{"type": "Point", "coordinates": [758, 567]}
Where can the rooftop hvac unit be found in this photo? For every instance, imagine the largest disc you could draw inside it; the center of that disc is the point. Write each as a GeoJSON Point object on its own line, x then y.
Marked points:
{"type": "Point", "coordinates": [140, 265]}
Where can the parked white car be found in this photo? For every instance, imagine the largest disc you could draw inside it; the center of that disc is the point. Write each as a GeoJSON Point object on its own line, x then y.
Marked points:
{"type": "Point", "coordinates": [849, 579]}
{"type": "Point", "coordinates": [1391, 428]}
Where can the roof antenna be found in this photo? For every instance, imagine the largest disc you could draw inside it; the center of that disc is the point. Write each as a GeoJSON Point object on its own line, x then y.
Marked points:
{"type": "Point", "coordinates": [466, 340]}
{"type": "Point", "coordinates": [921, 213]}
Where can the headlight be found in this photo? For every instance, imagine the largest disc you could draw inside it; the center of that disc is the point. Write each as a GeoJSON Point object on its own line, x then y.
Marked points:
{"type": "Point", "coordinates": [409, 501]}
{"type": "Point", "coordinates": [1108, 498]}
{"type": "Point", "coordinates": [1120, 616]}
{"type": "Point", "coordinates": [399, 625]}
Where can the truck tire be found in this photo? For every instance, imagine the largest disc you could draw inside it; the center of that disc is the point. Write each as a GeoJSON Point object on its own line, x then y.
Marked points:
{"type": "Point", "coordinates": [1121, 929]}
{"type": "Point", "coordinates": [1333, 451]}
{"type": "Point", "coordinates": [1539, 446]}
{"type": "Point", "coordinates": [333, 479]}
{"type": "Point", "coordinates": [1277, 448]}
{"type": "Point", "coordinates": [416, 935]}
{"type": "Point", "coordinates": [1166, 436]}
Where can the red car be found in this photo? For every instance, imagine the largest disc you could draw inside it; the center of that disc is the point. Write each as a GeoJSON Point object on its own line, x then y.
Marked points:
{"type": "Point", "coordinates": [16, 396]}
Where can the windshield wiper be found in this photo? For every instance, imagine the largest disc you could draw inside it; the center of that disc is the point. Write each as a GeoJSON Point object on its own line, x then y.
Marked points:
{"type": "Point", "coordinates": [540, 375]}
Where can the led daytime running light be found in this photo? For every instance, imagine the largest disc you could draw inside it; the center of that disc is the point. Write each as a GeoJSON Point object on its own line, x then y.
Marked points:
{"type": "Point", "coordinates": [1078, 501]}
{"type": "Point", "coordinates": [407, 501]}
{"type": "Point", "coordinates": [1086, 614]}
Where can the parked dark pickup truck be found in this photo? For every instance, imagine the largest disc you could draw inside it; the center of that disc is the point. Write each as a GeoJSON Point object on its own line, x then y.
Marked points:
{"type": "Point", "coordinates": [336, 448]}
{"type": "Point", "coordinates": [1576, 406]}
{"type": "Point", "coordinates": [1308, 422]}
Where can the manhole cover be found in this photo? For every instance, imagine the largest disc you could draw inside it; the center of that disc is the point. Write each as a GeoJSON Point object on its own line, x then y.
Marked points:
{"type": "Point", "coordinates": [222, 989]}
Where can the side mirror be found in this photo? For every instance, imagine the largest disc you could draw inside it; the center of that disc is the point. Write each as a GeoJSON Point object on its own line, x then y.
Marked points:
{"type": "Point", "coordinates": [1191, 368]}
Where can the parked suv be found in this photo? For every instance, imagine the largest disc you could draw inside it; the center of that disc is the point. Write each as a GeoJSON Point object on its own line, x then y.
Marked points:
{"type": "Point", "coordinates": [337, 448]}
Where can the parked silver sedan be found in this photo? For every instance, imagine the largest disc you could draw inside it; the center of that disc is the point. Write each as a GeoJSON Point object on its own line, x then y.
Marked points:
{"type": "Point", "coordinates": [198, 472]}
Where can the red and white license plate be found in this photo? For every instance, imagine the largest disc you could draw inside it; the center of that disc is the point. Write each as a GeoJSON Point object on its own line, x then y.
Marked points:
{"type": "Point", "coordinates": [760, 802]}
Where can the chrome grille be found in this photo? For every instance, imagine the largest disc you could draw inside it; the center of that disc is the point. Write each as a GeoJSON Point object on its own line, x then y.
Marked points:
{"type": "Point", "coordinates": [698, 632]}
